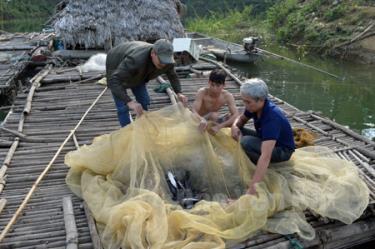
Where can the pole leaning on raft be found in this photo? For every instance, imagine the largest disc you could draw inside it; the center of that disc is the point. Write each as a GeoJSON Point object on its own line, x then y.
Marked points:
{"type": "Point", "coordinates": [45, 171]}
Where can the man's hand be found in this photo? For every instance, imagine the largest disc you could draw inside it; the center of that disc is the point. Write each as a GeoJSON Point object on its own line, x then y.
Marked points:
{"type": "Point", "coordinates": [183, 99]}
{"type": "Point", "coordinates": [236, 132]}
{"type": "Point", "coordinates": [136, 107]}
{"type": "Point", "coordinates": [202, 125]}
{"type": "Point", "coordinates": [214, 129]}
{"type": "Point", "coordinates": [251, 190]}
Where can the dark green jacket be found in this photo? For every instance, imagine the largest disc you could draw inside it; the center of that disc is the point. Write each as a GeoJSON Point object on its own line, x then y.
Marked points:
{"type": "Point", "coordinates": [129, 65]}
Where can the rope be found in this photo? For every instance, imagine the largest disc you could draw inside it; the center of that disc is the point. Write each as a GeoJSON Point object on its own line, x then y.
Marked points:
{"type": "Point", "coordinates": [45, 171]}
{"type": "Point", "coordinates": [300, 63]}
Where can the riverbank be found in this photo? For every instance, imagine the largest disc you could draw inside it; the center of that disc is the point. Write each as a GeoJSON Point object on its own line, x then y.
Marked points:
{"type": "Point", "coordinates": [339, 29]}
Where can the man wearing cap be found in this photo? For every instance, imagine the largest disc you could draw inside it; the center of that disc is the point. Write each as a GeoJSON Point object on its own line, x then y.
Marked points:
{"type": "Point", "coordinates": [131, 65]}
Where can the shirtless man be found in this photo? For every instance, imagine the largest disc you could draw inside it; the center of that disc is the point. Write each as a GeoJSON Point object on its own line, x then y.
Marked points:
{"type": "Point", "coordinates": [211, 99]}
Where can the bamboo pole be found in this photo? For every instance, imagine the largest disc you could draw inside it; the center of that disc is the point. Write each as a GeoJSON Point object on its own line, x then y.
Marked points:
{"type": "Point", "coordinates": [5, 108]}
{"type": "Point", "coordinates": [73, 78]}
{"type": "Point", "coordinates": [25, 138]}
{"type": "Point", "coordinates": [92, 227]}
{"type": "Point", "coordinates": [75, 141]}
{"type": "Point", "coordinates": [343, 129]}
{"type": "Point", "coordinates": [364, 164]}
{"type": "Point", "coordinates": [171, 94]}
{"type": "Point", "coordinates": [310, 125]}
{"type": "Point", "coordinates": [70, 224]}
{"type": "Point", "coordinates": [14, 47]}
{"type": "Point", "coordinates": [35, 84]}
{"type": "Point", "coordinates": [225, 69]}
{"type": "Point", "coordinates": [6, 162]}
{"type": "Point", "coordinates": [3, 202]}
{"type": "Point", "coordinates": [41, 176]}
{"type": "Point", "coordinates": [5, 143]}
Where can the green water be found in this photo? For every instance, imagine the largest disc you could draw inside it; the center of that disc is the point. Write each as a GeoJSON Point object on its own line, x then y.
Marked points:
{"type": "Point", "coordinates": [350, 101]}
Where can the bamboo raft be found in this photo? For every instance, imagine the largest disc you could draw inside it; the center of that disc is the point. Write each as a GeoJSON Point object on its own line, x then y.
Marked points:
{"type": "Point", "coordinates": [15, 51]}
{"type": "Point", "coordinates": [65, 109]}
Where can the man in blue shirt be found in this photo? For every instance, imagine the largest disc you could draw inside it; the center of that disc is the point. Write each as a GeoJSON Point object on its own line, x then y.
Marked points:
{"type": "Point", "coordinates": [272, 140]}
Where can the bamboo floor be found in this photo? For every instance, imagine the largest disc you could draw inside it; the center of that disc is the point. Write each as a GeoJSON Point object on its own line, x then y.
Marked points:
{"type": "Point", "coordinates": [49, 111]}
{"type": "Point", "coordinates": [15, 50]}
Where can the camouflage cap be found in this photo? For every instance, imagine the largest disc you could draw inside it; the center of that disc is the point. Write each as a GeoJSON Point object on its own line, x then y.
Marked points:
{"type": "Point", "coordinates": [164, 50]}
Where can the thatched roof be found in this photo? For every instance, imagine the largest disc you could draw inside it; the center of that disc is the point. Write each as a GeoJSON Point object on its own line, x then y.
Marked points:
{"type": "Point", "coordinates": [97, 23]}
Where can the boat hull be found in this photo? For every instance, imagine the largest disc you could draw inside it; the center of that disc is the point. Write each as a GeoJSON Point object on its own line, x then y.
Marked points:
{"type": "Point", "coordinates": [239, 56]}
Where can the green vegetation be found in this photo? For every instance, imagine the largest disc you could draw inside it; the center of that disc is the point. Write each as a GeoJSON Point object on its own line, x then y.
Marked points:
{"type": "Point", "coordinates": [199, 8]}
{"type": "Point", "coordinates": [232, 26]}
{"type": "Point", "coordinates": [310, 25]}
{"type": "Point", "coordinates": [318, 24]}
{"type": "Point", "coordinates": [26, 9]}
{"type": "Point", "coordinates": [23, 25]}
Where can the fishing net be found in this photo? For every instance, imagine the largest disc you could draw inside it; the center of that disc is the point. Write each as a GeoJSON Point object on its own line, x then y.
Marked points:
{"type": "Point", "coordinates": [123, 177]}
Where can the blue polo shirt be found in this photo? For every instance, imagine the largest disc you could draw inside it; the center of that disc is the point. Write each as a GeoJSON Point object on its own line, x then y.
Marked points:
{"type": "Point", "coordinates": [273, 125]}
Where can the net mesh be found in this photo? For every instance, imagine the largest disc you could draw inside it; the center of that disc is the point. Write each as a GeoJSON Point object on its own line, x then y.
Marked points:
{"type": "Point", "coordinates": [121, 176]}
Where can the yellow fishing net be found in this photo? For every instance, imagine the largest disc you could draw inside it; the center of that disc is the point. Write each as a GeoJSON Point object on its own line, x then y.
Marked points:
{"type": "Point", "coordinates": [122, 177]}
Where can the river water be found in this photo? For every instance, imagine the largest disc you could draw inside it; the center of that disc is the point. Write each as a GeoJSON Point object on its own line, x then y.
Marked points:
{"type": "Point", "coordinates": [349, 100]}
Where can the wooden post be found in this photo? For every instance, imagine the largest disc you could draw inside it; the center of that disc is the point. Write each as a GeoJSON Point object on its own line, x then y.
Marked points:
{"type": "Point", "coordinates": [70, 224]}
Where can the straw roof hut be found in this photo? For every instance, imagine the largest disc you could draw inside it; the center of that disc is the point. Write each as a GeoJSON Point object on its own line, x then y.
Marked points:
{"type": "Point", "coordinates": [98, 23]}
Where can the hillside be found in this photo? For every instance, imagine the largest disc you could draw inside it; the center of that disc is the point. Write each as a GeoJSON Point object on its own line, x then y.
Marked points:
{"type": "Point", "coordinates": [22, 9]}
{"type": "Point", "coordinates": [340, 28]}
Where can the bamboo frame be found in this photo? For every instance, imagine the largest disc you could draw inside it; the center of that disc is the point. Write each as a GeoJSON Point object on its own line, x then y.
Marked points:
{"type": "Point", "coordinates": [41, 176]}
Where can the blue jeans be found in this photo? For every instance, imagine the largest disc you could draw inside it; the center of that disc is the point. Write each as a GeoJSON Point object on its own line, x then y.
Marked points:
{"type": "Point", "coordinates": [251, 144]}
{"type": "Point", "coordinates": [142, 97]}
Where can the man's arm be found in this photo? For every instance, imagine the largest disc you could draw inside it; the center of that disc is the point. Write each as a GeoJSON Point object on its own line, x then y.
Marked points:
{"type": "Point", "coordinates": [233, 111]}
{"type": "Point", "coordinates": [238, 123]}
{"type": "Point", "coordinates": [173, 79]}
{"type": "Point", "coordinates": [122, 73]}
{"type": "Point", "coordinates": [176, 85]}
{"type": "Point", "coordinates": [262, 165]}
{"type": "Point", "coordinates": [197, 105]}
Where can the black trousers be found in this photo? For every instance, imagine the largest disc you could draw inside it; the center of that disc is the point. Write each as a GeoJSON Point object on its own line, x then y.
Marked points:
{"type": "Point", "coordinates": [251, 143]}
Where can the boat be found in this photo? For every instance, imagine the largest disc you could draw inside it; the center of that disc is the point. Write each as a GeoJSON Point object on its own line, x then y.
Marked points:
{"type": "Point", "coordinates": [228, 51]}
{"type": "Point", "coordinates": [240, 56]}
